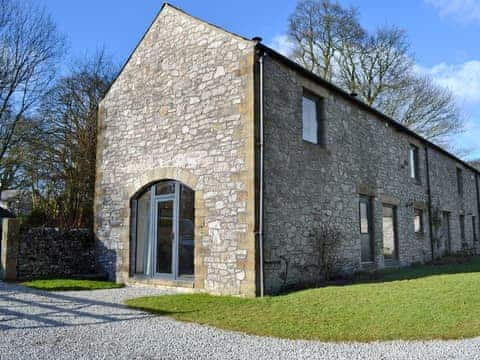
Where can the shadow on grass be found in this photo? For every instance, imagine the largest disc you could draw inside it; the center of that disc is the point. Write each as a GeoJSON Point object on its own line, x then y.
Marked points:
{"type": "Point", "coordinates": [70, 284]}
{"type": "Point", "coordinates": [27, 308]}
{"type": "Point", "coordinates": [445, 266]}
{"type": "Point", "coordinates": [68, 288]}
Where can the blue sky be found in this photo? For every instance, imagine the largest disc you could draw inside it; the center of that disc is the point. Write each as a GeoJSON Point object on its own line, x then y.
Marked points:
{"type": "Point", "coordinates": [444, 33]}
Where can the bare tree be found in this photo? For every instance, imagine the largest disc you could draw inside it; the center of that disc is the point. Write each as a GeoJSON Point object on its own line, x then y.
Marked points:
{"type": "Point", "coordinates": [63, 172]}
{"type": "Point", "coordinates": [317, 29]}
{"type": "Point", "coordinates": [424, 107]}
{"type": "Point", "coordinates": [377, 67]}
{"type": "Point", "coordinates": [29, 48]}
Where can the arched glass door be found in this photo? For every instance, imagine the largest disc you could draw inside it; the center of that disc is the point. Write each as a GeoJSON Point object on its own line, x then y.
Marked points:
{"type": "Point", "coordinates": [163, 231]}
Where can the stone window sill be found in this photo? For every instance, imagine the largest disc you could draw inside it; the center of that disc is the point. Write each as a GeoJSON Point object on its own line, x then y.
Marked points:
{"type": "Point", "coordinates": [321, 147]}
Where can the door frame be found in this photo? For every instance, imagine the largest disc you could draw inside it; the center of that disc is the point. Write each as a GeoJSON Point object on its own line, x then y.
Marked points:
{"type": "Point", "coordinates": [156, 199]}
{"type": "Point", "coordinates": [150, 252]}
{"type": "Point", "coordinates": [447, 231]}
{"type": "Point", "coordinates": [154, 235]}
{"type": "Point", "coordinates": [396, 253]}
{"type": "Point", "coordinates": [368, 201]}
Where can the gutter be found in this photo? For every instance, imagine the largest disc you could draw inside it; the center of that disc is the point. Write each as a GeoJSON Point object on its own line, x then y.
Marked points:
{"type": "Point", "coordinates": [429, 195]}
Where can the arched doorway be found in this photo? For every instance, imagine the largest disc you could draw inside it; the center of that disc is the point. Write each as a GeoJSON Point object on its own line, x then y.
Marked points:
{"type": "Point", "coordinates": [162, 239]}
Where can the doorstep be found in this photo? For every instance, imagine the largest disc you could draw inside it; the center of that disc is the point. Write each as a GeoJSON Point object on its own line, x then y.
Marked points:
{"type": "Point", "coordinates": [185, 284]}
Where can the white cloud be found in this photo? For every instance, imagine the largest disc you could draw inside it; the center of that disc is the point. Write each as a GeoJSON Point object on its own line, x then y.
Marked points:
{"type": "Point", "coordinates": [282, 44]}
{"type": "Point", "coordinates": [463, 10]}
{"type": "Point", "coordinates": [464, 82]}
{"type": "Point", "coordinates": [462, 79]}
{"type": "Point", "coordinates": [469, 139]}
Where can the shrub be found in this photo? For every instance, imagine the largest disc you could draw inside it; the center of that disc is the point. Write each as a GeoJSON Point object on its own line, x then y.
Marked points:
{"type": "Point", "coordinates": [37, 218]}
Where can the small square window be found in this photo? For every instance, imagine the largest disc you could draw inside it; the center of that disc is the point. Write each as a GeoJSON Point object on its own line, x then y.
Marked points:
{"type": "Point", "coordinates": [312, 113]}
{"type": "Point", "coordinates": [418, 220]}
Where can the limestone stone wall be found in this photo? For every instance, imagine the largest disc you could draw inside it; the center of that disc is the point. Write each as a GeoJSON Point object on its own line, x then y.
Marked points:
{"type": "Point", "coordinates": [182, 109]}
{"type": "Point", "coordinates": [445, 198]}
{"type": "Point", "coordinates": [306, 184]}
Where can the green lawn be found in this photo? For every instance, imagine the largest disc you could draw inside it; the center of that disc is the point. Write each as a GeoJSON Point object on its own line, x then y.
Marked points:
{"type": "Point", "coordinates": [436, 302]}
{"type": "Point", "coordinates": [71, 284]}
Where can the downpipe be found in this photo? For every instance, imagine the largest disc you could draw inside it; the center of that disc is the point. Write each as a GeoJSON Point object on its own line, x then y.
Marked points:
{"type": "Point", "coordinates": [430, 210]}
{"type": "Point", "coordinates": [260, 209]}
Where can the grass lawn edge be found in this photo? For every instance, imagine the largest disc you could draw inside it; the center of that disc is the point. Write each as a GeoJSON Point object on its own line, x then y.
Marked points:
{"type": "Point", "coordinates": [62, 284]}
{"type": "Point", "coordinates": [430, 305]}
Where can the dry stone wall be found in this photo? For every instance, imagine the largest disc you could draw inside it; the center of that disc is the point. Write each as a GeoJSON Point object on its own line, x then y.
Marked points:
{"type": "Point", "coordinates": [49, 252]}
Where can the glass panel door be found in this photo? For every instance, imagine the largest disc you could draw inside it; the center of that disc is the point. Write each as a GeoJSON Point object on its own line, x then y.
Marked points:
{"type": "Point", "coordinates": [186, 232]}
{"type": "Point", "coordinates": [163, 231]}
{"type": "Point", "coordinates": [164, 236]}
{"type": "Point", "coordinates": [446, 231]}
{"type": "Point", "coordinates": [366, 233]}
{"type": "Point", "coordinates": [389, 233]}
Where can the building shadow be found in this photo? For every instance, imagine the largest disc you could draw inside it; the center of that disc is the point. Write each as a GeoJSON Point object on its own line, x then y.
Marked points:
{"type": "Point", "coordinates": [105, 260]}
{"type": "Point", "coordinates": [445, 266]}
{"type": "Point", "coordinates": [25, 308]}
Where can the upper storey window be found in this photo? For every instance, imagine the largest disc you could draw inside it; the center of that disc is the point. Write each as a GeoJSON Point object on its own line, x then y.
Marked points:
{"type": "Point", "coordinates": [312, 113]}
{"type": "Point", "coordinates": [414, 163]}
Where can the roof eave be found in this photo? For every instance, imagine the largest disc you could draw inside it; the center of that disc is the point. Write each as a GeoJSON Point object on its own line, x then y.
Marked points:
{"type": "Point", "coordinates": [297, 67]}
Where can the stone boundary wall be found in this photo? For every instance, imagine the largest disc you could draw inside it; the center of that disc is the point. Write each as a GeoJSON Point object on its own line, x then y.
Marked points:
{"type": "Point", "coordinates": [45, 252]}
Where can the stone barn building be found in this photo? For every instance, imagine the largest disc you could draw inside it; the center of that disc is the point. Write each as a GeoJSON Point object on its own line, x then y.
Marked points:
{"type": "Point", "coordinates": [224, 167]}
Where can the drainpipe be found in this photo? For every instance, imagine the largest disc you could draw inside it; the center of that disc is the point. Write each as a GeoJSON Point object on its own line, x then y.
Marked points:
{"type": "Point", "coordinates": [429, 194]}
{"type": "Point", "coordinates": [260, 210]}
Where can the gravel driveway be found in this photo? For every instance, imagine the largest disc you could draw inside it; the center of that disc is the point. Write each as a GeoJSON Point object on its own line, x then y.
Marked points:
{"type": "Point", "coordinates": [95, 325]}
